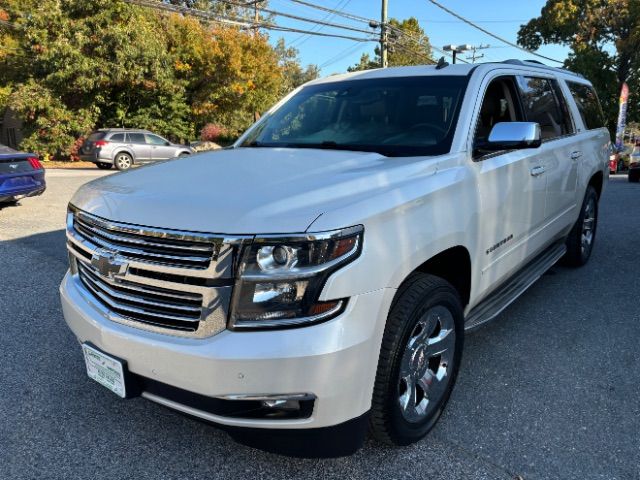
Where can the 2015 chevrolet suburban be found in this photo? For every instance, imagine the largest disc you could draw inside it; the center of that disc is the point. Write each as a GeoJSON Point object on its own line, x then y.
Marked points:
{"type": "Point", "coordinates": [316, 280]}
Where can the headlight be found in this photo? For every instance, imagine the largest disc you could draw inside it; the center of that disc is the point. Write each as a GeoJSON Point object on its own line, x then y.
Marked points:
{"type": "Point", "coordinates": [280, 278]}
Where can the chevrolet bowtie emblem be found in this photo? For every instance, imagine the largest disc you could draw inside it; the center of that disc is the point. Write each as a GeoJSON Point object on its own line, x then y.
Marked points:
{"type": "Point", "coordinates": [108, 264]}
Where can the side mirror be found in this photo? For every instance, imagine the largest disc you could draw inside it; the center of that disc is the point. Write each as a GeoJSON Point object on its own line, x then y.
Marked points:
{"type": "Point", "coordinates": [167, 143]}
{"type": "Point", "coordinates": [514, 135]}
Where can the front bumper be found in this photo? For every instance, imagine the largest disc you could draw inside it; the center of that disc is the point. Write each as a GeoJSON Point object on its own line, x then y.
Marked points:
{"type": "Point", "coordinates": [335, 361]}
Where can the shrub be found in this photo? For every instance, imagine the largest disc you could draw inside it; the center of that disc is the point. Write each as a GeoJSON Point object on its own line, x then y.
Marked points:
{"type": "Point", "coordinates": [74, 154]}
{"type": "Point", "coordinates": [212, 132]}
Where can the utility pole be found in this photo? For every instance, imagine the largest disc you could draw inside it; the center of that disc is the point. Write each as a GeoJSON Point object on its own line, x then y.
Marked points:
{"type": "Point", "coordinates": [474, 56]}
{"type": "Point", "coordinates": [256, 16]}
{"type": "Point", "coordinates": [384, 39]}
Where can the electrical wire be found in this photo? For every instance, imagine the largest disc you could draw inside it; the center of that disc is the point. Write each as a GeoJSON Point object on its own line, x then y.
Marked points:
{"type": "Point", "coordinates": [329, 16]}
{"type": "Point", "coordinates": [417, 39]}
{"type": "Point", "coordinates": [299, 18]}
{"type": "Point", "coordinates": [215, 18]}
{"type": "Point", "coordinates": [12, 26]}
{"type": "Point", "coordinates": [493, 35]}
{"type": "Point", "coordinates": [348, 51]}
{"type": "Point", "coordinates": [348, 15]}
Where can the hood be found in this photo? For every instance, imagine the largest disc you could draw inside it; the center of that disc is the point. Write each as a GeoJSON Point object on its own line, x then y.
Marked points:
{"type": "Point", "coordinates": [243, 190]}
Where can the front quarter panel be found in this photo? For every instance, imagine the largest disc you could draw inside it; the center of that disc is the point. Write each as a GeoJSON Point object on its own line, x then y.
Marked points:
{"type": "Point", "coordinates": [405, 227]}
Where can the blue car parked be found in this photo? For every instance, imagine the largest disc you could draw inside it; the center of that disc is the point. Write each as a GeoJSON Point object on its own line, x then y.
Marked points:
{"type": "Point", "coordinates": [21, 175]}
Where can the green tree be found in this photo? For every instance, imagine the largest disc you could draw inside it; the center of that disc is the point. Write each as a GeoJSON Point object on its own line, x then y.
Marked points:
{"type": "Point", "coordinates": [408, 45]}
{"type": "Point", "coordinates": [75, 65]}
{"type": "Point", "coordinates": [604, 37]}
{"type": "Point", "coordinates": [293, 75]}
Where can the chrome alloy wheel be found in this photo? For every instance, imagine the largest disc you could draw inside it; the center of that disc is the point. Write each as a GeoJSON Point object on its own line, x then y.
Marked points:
{"type": "Point", "coordinates": [123, 161]}
{"type": "Point", "coordinates": [588, 226]}
{"type": "Point", "coordinates": [425, 369]}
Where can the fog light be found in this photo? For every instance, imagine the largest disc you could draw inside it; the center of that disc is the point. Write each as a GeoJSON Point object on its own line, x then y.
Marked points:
{"type": "Point", "coordinates": [287, 405]}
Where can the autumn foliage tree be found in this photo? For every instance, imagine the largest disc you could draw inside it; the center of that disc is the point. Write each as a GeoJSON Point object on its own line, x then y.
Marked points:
{"type": "Point", "coordinates": [74, 65]}
{"type": "Point", "coordinates": [408, 45]}
{"type": "Point", "coordinates": [604, 37]}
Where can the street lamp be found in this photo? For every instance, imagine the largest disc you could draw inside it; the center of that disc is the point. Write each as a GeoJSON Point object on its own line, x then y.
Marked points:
{"type": "Point", "coordinates": [455, 49]}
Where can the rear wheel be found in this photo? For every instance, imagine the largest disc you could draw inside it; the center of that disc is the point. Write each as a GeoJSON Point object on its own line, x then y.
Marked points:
{"type": "Point", "coordinates": [104, 165]}
{"type": "Point", "coordinates": [634, 178]}
{"type": "Point", "coordinates": [123, 161]}
{"type": "Point", "coordinates": [419, 360]}
{"type": "Point", "coordinates": [583, 234]}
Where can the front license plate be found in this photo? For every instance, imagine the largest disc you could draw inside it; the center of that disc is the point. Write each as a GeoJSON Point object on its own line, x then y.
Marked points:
{"type": "Point", "coordinates": [105, 370]}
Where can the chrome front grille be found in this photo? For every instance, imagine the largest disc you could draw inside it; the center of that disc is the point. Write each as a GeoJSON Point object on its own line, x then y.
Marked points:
{"type": "Point", "coordinates": [166, 281]}
{"type": "Point", "coordinates": [150, 245]}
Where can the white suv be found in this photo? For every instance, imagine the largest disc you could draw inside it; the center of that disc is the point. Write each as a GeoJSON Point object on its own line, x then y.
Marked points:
{"type": "Point", "coordinates": [316, 280]}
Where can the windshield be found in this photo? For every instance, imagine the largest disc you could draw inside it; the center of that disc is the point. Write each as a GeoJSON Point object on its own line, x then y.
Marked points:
{"type": "Point", "coordinates": [392, 116]}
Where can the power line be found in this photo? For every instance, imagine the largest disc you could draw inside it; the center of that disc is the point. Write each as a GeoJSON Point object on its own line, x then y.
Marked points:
{"type": "Point", "coordinates": [417, 40]}
{"type": "Point", "coordinates": [299, 18]}
{"type": "Point", "coordinates": [348, 15]}
{"type": "Point", "coordinates": [347, 51]}
{"type": "Point", "coordinates": [210, 17]}
{"type": "Point", "coordinates": [493, 35]}
{"type": "Point", "coordinates": [12, 26]}
{"type": "Point", "coordinates": [304, 37]}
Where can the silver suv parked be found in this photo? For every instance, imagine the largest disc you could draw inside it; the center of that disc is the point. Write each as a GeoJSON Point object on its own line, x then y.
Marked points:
{"type": "Point", "coordinates": [124, 147]}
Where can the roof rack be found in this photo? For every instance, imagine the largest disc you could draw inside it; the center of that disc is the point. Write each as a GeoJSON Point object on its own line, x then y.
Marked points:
{"type": "Point", "coordinates": [536, 63]}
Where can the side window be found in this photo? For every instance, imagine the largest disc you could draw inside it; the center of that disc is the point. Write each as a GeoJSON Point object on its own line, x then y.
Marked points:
{"type": "Point", "coordinates": [499, 104]}
{"type": "Point", "coordinates": [564, 108]}
{"type": "Point", "coordinates": [588, 105]}
{"type": "Point", "coordinates": [541, 105]}
{"type": "Point", "coordinates": [118, 137]}
{"type": "Point", "coordinates": [155, 140]}
{"type": "Point", "coordinates": [136, 138]}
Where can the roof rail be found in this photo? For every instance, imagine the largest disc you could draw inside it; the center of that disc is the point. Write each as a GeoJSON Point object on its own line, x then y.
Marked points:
{"type": "Point", "coordinates": [536, 63]}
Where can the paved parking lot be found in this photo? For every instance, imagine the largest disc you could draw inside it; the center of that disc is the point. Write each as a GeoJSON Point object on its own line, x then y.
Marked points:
{"type": "Point", "coordinates": [551, 389]}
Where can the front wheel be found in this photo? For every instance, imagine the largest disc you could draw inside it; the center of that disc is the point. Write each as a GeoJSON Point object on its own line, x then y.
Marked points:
{"type": "Point", "coordinates": [583, 234]}
{"type": "Point", "coordinates": [123, 161]}
{"type": "Point", "coordinates": [419, 360]}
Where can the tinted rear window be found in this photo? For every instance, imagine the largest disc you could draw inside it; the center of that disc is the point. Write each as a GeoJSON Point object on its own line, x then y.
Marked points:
{"type": "Point", "coordinates": [118, 137]}
{"type": "Point", "coordinates": [95, 136]}
{"type": "Point", "coordinates": [136, 138]}
{"type": "Point", "coordinates": [588, 105]}
{"type": "Point", "coordinates": [541, 106]}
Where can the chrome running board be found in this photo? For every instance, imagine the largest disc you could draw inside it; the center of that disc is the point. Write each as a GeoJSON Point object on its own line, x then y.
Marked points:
{"type": "Point", "coordinates": [501, 298]}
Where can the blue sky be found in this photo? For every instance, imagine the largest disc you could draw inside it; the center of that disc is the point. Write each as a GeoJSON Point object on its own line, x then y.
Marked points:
{"type": "Point", "coordinates": [503, 17]}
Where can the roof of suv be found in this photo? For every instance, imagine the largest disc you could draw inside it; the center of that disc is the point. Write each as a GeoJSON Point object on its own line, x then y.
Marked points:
{"type": "Point", "coordinates": [141, 130]}
{"type": "Point", "coordinates": [457, 70]}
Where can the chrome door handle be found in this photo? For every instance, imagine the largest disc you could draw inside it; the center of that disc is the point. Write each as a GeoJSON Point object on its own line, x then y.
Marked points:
{"type": "Point", "coordinates": [576, 155]}
{"type": "Point", "coordinates": [537, 171]}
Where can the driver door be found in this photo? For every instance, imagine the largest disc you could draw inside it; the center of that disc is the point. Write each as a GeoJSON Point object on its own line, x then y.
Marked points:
{"type": "Point", "coordinates": [512, 188]}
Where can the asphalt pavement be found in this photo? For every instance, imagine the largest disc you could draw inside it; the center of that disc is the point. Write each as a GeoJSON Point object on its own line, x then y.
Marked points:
{"type": "Point", "coordinates": [549, 390]}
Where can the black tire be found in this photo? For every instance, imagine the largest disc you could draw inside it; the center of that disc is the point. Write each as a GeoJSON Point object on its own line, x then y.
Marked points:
{"type": "Point", "coordinates": [123, 161]}
{"type": "Point", "coordinates": [421, 296]}
{"type": "Point", "coordinates": [634, 178]}
{"type": "Point", "coordinates": [579, 242]}
{"type": "Point", "coordinates": [104, 165]}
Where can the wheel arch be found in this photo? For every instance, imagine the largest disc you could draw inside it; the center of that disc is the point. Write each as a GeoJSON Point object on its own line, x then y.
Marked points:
{"type": "Point", "coordinates": [128, 151]}
{"type": "Point", "coordinates": [597, 182]}
{"type": "Point", "coordinates": [452, 265]}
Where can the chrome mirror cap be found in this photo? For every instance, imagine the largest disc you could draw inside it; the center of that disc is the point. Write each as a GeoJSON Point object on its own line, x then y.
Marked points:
{"type": "Point", "coordinates": [514, 135]}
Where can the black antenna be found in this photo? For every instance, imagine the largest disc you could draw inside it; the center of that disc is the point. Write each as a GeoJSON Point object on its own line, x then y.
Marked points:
{"type": "Point", "coordinates": [442, 63]}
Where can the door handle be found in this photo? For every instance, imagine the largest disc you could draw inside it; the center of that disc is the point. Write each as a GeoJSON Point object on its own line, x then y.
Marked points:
{"type": "Point", "coordinates": [576, 155]}
{"type": "Point", "coordinates": [537, 171]}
